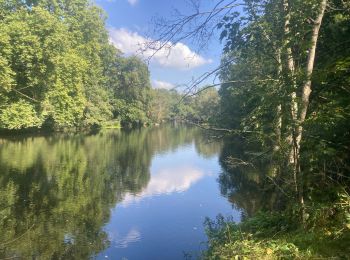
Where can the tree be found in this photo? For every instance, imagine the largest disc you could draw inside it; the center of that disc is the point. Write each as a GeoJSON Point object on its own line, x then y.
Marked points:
{"type": "Point", "coordinates": [274, 90]}
{"type": "Point", "coordinates": [133, 92]}
{"type": "Point", "coordinates": [57, 62]}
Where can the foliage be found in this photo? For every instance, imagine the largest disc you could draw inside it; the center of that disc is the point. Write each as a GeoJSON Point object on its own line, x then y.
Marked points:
{"type": "Point", "coordinates": [11, 116]}
{"type": "Point", "coordinates": [163, 104]}
{"type": "Point", "coordinates": [228, 240]}
{"type": "Point", "coordinates": [266, 87]}
{"type": "Point", "coordinates": [266, 236]}
{"type": "Point", "coordinates": [205, 105]}
{"type": "Point", "coordinates": [171, 104]}
{"type": "Point", "coordinates": [133, 93]}
{"type": "Point", "coordinates": [292, 155]}
{"type": "Point", "coordinates": [56, 57]}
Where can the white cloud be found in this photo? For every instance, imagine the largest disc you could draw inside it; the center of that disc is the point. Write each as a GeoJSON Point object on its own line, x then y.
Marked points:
{"type": "Point", "coordinates": [179, 56]}
{"type": "Point", "coordinates": [133, 2]}
{"type": "Point", "coordinates": [162, 84]}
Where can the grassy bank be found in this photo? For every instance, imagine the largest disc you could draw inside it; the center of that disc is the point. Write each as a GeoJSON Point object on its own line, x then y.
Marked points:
{"type": "Point", "coordinates": [324, 235]}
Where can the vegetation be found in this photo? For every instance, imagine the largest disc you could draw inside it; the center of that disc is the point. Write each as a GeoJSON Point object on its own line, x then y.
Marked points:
{"type": "Point", "coordinates": [271, 227]}
{"type": "Point", "coordinates": [58, 69]}
{"type": "Point", "coordinates": [271, 236]}
{"type": "Point", "coordinates": [286, 92]}
{"type": "Point", "coordinates": [172, 105]}
{"type": "Point", "coordinates": [284, 102]}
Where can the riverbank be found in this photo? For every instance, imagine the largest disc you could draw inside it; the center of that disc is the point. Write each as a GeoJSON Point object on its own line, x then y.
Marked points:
{"type": "Point", "coordinates": [113, 124]}
{"type": "Point", "coordinates": [325, 235]}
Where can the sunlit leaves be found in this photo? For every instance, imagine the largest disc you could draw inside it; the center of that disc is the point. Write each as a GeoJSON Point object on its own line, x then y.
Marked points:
{"type": "Point", "coordinates": [57, 57]}
{"type": "Point", "coordinates": [12, 116]}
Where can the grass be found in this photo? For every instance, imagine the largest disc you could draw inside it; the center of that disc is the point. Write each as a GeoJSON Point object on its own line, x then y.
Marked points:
{"type": "Point", "coordinates": [275, 236]}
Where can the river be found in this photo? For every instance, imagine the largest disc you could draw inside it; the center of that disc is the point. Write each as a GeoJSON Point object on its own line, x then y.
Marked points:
{"type": "Point", "coordinates": [116, 194]}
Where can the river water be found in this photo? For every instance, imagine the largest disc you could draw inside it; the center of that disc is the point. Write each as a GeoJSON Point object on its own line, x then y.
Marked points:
{"type": "Point", "coordinates": [138, 194]}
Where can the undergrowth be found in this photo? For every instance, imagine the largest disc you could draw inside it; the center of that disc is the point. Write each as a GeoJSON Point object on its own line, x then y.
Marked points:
{"type": "Point", "coordinates": [324, 235]}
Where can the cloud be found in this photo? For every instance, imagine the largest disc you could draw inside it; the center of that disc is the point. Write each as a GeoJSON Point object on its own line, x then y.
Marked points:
{"type": "Point", "coordinates": [167, 181]}
{"type": "Point", "coordinates": [179, 56]}
{"type": "Point", "coordinates": [132, 2]}
{"type": "Point", "coordinates": [162, 84]}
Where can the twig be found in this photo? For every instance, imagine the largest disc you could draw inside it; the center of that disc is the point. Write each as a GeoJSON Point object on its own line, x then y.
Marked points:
{"type": "Point", "coordinates": [26, 95]}
{"type": "Point", "coordinates": [11, 241]}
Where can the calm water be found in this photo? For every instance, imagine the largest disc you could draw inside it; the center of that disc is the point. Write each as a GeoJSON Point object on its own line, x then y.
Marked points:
{"type": "Point", "coordinates": [141, 194]}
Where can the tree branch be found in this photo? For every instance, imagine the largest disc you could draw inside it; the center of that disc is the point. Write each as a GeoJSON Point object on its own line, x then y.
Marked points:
{"type": "Point", "coordinates": [24, 95]}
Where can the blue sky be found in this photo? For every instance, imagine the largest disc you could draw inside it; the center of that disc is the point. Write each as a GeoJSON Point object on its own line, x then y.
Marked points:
{"type": "Point", "coordinates": [129, 21]}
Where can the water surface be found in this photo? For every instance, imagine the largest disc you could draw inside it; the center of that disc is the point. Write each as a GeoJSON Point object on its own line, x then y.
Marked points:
{"type": "Point", "coordinates": [140, 194]}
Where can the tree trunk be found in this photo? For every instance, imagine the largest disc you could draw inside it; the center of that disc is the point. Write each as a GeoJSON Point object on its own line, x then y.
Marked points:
{"type": "Point", "coordinates": [306, 90]}
{"type": "Point", "coordinates": [278, 123]}
{"type": "Point", "coordinates": [305, 98]}
{"type": "Point", "coordinates": [293, 95]}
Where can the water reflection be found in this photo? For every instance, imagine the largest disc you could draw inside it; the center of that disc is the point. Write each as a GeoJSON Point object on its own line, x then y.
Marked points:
{"type": "Point", "coordinates": [166, 181]}
{"type": "Point", "coordinates": [245, 184]}
{"type": "Point", "coordinates": [57, 191]}
{"type": "Point", "coordinates": [121, 241]}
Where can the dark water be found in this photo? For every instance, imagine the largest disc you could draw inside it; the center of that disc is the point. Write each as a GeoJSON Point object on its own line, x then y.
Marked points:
{"type": "Point", "coordinates": [142, 194]}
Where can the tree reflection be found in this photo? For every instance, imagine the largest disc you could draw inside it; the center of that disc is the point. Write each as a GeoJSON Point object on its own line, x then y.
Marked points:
{"type": "Point", "coordinates": [244, 182]}
{"type": "Point", "coordinates": [56, 191]}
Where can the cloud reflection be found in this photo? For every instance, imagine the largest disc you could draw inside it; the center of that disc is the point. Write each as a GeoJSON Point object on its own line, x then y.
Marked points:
{"type": "Point", "coordinates": [123, 241]}
{"type": "Point", "coordinates": [167, 181]}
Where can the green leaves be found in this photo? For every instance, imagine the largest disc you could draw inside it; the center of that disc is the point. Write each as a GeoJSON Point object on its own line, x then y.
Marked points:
{"type": "Point", "coordinates": [131, 91]}
{"type": "Point", "coordinates": [12, 116]}
{"type": "Point", "coordinates": [58, 59]}
{"type": "Point", "coordinates": [41, 68]}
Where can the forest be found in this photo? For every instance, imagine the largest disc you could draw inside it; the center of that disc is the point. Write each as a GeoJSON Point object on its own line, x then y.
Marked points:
{"type": "Point", "coordinates": [59, 71]}
{"type": "Point", "coordinates": [282, 107]}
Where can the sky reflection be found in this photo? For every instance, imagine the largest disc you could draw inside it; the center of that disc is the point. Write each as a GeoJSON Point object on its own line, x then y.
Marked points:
{"type": "Point", "coordinates": [167, 181]}
{"type": "Point", "coordinates": [165, 219]}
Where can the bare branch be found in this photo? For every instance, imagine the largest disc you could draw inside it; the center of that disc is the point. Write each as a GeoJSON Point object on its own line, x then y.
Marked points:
{"type": "Point", "coordinates": [24, 95]}
{"type": "Point", "coordinates": [225, 130]}
{"type": "Point", "coordinates": [228, 82]}
{"type": "Point", "coordinates": [198, 26]}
